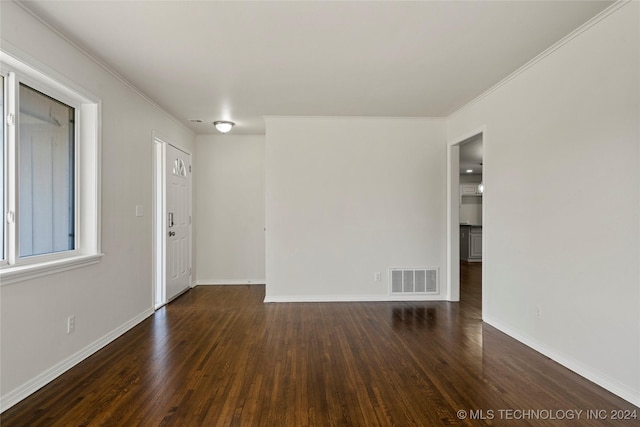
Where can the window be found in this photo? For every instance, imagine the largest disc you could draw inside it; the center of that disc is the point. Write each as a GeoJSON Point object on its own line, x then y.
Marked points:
{"type": "Point", "coordinates": [46, 174]}
{"type": "Point", "coordinates": [50, 173]}
{"type": "Point", "coordinates": [2, 145]}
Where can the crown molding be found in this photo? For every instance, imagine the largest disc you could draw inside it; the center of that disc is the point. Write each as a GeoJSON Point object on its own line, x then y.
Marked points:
{"type": "Point", "coordinates": [550, 50]}
{"type": "Point", "coordinates": [102, 64]}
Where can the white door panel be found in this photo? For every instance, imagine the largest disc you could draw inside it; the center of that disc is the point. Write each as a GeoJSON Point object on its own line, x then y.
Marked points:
{"type": "Point", "coordinates": [178, 185]}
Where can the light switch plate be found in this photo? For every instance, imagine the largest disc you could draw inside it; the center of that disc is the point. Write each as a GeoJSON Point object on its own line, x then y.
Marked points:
{"type": "Point", "coordinates": [139, 210]}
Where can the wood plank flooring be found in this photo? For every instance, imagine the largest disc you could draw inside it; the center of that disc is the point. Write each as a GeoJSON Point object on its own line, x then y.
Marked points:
{"type": "Point", "coordinates": [218, 356]}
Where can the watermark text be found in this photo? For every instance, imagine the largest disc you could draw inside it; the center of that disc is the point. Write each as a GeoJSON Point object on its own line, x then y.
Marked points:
{"type": "Point", "coordinates": [548, 414]}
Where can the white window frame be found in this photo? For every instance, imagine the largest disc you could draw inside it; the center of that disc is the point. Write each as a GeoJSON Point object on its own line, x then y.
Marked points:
{"type": "Point", "coordinates": [87, 107]}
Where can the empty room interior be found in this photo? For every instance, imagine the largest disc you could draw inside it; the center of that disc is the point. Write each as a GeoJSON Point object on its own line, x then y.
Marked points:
{"type": "Point", "coordinates": [320, 213]}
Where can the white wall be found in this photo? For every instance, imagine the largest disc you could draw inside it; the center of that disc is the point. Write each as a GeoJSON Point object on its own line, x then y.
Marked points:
{"type": "Point", "coordinates": [111, 296]}
{"type": "Point", "coordinates": [348, 197]}
{"type": "Point", "coordinates": [471, 206]}
{"type": "Point", "coordinates": [229, 206]}
{"type": "Point", "coordinates": [562, 200]}
{"type": "Point", "coordinates": [470, 179]}
{"type": "Point", "coordinates": [471, 210]}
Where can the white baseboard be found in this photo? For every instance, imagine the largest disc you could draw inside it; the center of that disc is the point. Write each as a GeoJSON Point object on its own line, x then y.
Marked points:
{"type": "Point", "coordinates": [33, 385]}
{"type": "Point", "coordinates": [352, 298]}
{"type": "Point", "coordinates": [218, 282]}
{"type": "Point", "coordinates": [614, 386]}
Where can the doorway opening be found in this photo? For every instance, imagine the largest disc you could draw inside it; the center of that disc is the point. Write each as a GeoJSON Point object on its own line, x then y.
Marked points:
{"type": "Point", "coordinates": [466, 223]}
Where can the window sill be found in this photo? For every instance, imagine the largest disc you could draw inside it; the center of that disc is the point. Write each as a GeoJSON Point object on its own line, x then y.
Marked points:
{"type": "Point", "coordinates": [9, 275]}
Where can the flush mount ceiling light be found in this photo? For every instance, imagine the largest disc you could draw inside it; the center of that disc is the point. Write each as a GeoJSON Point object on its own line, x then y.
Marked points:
{"type": "Point", "coordinates": [223, 126]}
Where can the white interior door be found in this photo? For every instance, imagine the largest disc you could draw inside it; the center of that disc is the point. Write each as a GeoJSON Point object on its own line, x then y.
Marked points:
{"type": "Point", "coordinates": [178, 219]}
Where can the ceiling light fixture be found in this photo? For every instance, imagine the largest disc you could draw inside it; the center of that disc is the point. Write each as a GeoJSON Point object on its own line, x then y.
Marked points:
{"type": "Point", "coordinates": [223, 126]}
{"type": "Point", "coordinates": [469, 170]}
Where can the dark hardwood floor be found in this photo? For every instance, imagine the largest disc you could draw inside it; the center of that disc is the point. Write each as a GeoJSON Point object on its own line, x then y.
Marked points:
{"type": "Point", "coordinates": [218, 356]}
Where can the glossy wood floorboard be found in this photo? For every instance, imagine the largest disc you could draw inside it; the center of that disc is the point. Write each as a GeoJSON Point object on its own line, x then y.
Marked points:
{"type": "Point", "coordinates": [218, 356]}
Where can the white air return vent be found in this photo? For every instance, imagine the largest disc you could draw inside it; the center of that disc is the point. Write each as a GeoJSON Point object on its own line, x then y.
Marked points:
{"type": "Point", "coordinates": [422, 280]}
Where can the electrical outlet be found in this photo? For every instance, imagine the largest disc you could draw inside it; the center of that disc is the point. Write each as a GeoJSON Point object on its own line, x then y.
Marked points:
{"type": "Point", "coordinates": [71, 323]}
{"type": "Point", "coordinates": [538, 312]}
{"type": "Point", "coordinates": [377, 276]}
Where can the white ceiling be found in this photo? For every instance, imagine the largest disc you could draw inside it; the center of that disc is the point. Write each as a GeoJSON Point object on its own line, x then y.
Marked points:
{"type": "Point", "coordinates": [240, 61]}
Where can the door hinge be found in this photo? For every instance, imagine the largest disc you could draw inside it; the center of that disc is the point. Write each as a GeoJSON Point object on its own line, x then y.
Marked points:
{"type": "Point", "coordinates": [11, 217]}
{"type": "Point", "coordinates": [189, 168]}
{"type": "Point", "coordinates": [11, 119]}
{"type": "Point", "coordinates": [189, 219]}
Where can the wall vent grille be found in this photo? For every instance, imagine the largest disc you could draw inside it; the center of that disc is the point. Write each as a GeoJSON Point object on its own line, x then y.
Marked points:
{"type": "Point", "coordinates": [422, 280]}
